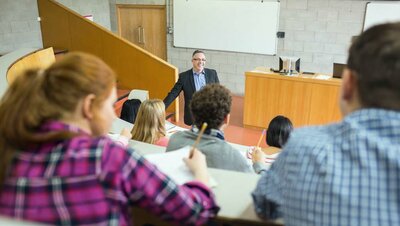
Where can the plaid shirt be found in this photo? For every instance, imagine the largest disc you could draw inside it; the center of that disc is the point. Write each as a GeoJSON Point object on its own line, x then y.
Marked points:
{"type": "Point", "coordinates": [86, 180]}
{"type": "Point", "coordinates": [342, 174]}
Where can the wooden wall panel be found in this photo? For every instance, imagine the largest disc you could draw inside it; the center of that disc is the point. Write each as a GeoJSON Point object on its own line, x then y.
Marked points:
{"type": "Point", "coordinates": [85, 37]}
{"type": "Point", "coordinates": [135, 67]}
{"type": "Point", "coordinates": [54, 25]}
{"type": "Point", "coordinates": [324, 104]}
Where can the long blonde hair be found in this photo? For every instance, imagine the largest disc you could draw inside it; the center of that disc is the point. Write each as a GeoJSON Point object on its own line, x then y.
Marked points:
{"type": "Point", "coordinates": [38, 96]}
{"type": "Point", "coordinates": [150, 121]}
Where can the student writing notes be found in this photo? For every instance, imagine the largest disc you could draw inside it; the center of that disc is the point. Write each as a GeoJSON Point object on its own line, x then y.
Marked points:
{"type": "Point", "coordinates": [211, 105]}
{"type": "Point", "coordinates": [58, 166]}
{"type": "Point", "coordinates": [278, 132]}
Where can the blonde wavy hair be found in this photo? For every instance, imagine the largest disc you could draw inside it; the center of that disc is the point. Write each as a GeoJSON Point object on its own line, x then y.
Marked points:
{"type": "Point", "coordinates": [150, 121]}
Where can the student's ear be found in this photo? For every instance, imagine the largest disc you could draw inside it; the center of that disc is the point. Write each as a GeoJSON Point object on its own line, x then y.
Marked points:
{"type": "Point", "coordinates": [87, 106]}
{"type": "Point", "coordinates": [349, 99]}
{"type": "Point", "coordinates": [227, 119]}
{"type": "Point", "coordinates": [349, 84]}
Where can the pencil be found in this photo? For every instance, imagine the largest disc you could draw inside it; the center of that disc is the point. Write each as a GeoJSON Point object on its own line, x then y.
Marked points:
{"type": "Point", "coordinates": [262, 135]}
{"type": "Point", "coordinates": [203, 128]}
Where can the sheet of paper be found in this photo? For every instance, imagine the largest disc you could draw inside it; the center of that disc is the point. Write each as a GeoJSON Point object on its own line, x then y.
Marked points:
{"type": "Point", "coordinates": [172, 164]}
{"type": "Point", "coordinates": [168, 125]}
{"type": "Point", "coordinates": [119, 124]}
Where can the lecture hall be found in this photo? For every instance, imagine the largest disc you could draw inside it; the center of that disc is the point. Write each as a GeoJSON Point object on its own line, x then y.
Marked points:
{"type": "Point", "coordinates": [200, 112]}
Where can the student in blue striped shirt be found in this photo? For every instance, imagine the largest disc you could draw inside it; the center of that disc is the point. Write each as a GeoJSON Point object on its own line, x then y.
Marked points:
{"type": "Point", "coordinates": [346, 173]}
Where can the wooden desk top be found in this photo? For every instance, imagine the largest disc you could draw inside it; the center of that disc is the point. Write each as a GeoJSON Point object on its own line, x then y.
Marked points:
{"type": "Point", "coordinates": [6, 61]}
{"type": "Point", "coordinates": [316, 78]}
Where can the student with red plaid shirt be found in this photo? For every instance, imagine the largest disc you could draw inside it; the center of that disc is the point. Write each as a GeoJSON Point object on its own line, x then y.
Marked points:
{"type": "Point", "coordinates": [58, 167]}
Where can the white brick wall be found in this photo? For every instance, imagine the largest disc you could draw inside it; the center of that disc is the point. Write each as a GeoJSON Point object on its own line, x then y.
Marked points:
{"type": "Point", "coordinates": [100, 9]}
{"type": "Point", "coordinates": [19, 26]}
{"type": "Point", "coordinates": [317, 31]}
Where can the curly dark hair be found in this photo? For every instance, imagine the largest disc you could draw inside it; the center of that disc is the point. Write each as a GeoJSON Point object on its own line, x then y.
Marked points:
{"type": "Point", "coordinates": [211, 104]}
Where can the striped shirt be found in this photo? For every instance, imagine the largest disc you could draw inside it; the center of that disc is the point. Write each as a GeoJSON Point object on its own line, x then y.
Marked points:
{"type": "Point", "coordinates": [342, 174]}
{"type": "Point", "coordinates": [86, 180]}
{"type": "Point", "coordinates": [199, 80]}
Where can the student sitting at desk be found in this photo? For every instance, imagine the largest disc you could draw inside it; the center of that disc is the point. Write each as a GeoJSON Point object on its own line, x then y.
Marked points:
{"type": "Point", "coordinates": [347, 173]}
{"type": "Point", "coordinates": [211, 104]}
{"type": "Point", "coordinates": [59, 168]}
{"type": "Point", "coordinates": [278, 132]}
{"type": "Point", "coordinates": [150, 123]}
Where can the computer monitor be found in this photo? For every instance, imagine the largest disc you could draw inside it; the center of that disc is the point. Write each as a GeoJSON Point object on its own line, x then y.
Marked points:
{"type": "Point", "coordinates": [289, 65]}
{"type": "Point", "coordinates": [338, 70]}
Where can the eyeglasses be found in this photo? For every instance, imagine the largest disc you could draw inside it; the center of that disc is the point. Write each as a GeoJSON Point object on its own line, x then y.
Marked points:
{"type": "Point", "coordinates": [198, 59]}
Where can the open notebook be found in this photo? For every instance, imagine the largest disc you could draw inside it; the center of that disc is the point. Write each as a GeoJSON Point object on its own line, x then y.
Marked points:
{"type": "Point", "coordinates": [172, 164]}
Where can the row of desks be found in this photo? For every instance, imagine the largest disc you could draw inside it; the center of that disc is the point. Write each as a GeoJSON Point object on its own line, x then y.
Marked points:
{"type": "Point", "coordinates": [233, 192]}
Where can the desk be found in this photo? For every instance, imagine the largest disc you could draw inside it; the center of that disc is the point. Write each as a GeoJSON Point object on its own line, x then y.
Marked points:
{"type": "Point", "coordinates": [232, 192]}
{"type": "Point", "coordinates": [233, 195]}
{"type": "Point", "coordinates": [305, 100]}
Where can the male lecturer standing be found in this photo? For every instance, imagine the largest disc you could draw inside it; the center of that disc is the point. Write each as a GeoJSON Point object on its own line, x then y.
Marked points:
{"type": "Point", "coordinates": [191, 81]}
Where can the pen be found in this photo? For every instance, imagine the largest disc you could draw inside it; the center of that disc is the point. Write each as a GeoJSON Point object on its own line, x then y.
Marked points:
{"type": "Point", "coordinates": [203, 128]}
{"type": "Point", "coordinates": [259, 140]}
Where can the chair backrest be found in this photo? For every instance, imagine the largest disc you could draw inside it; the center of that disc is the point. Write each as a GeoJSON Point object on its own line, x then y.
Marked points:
{"type": "Point", "coordinates": [15, 62]}
{"type": "Point", "coordinates": [139, 94]}
{"type": "Point", "coordinates": [39, 59]}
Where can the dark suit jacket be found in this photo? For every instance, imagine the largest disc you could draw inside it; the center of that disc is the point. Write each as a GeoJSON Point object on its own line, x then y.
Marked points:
{"type": "Point", "coordinates": [186, 83]}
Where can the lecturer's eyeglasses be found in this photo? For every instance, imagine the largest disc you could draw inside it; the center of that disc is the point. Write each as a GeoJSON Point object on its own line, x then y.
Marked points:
{"type": "Point", "coordinates": [198, 59]}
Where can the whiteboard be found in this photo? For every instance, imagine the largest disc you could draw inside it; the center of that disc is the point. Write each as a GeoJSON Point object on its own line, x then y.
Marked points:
{"type": "Point", "coordinates": [229, 25]}
{"type": "Point", "coordinates": [381, 12]}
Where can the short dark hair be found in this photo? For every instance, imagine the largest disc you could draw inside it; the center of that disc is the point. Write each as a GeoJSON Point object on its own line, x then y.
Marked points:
{"type": "Point", "coordinates": [197, 51]}
{"type": "Point", "coordinates": [278, 131]}
{"type": "Point", "coordinates": [374, 57]}
{"type": "Point", "coordinates": [211, 104]}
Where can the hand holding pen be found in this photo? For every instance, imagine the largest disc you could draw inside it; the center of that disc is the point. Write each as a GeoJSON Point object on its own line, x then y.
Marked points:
{"type": "Point", "coordinates": [196, 160]}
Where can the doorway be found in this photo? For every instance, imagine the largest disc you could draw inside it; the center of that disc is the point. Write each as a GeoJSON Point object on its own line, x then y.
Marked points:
{"type": "Point", "coordinates": [145, 26]}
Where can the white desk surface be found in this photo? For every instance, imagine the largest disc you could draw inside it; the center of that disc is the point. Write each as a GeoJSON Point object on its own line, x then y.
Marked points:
{"type": "Point", "coordinates": [233, 194]}
{"type": "Point", "coordinates": [146, 148]}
